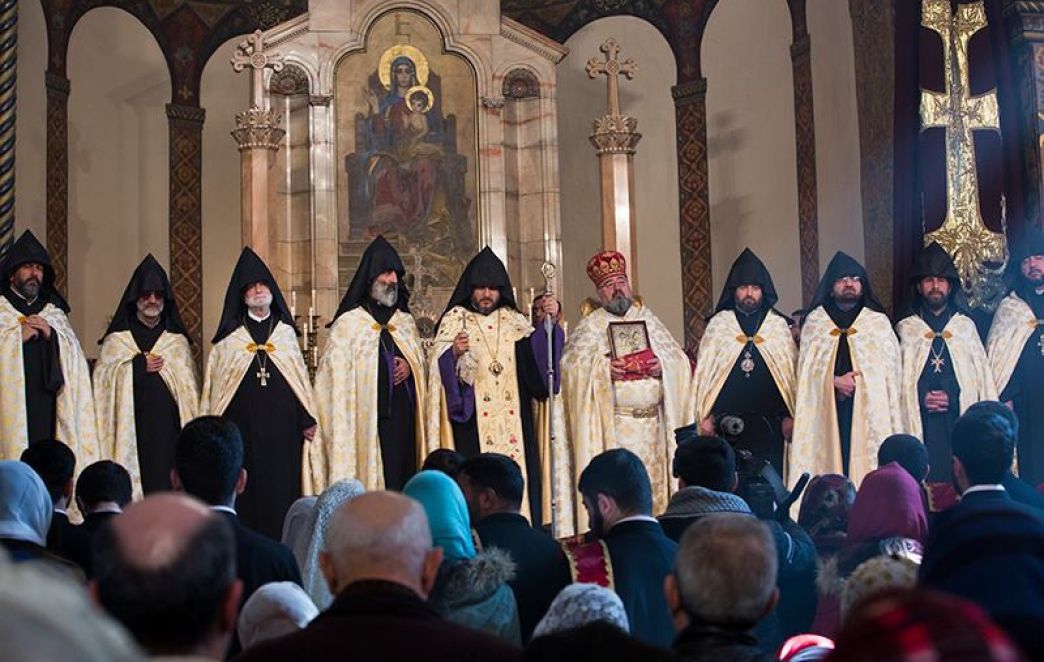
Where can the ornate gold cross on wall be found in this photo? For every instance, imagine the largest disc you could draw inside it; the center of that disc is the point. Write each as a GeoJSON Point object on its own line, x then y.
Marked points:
{"type": "Point", "coordinates": [963, 234]}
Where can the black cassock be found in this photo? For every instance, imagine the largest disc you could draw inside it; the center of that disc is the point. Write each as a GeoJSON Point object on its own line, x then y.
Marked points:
{"type": "Point", "coordinates": [157, 420]}
{"type": "Point", "coordinates": [1025, 389]}
{"type": "Point", "coordinates": [936, 426]}
{"type": "Point", "coordinates": [754, 397]}
{"type": "Point", "coordinates": [843, 364]}
{"type": "Point", "coordinates": [396, 417]}
{"type": "Point", "coordinates": [43, 373]}
{"type": "Point", "coordinates": [271, 420]}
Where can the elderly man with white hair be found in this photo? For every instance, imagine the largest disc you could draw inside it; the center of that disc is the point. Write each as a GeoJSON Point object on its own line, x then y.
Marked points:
{"type": "Point", "coordinates": [380, 562]}
{"type": "Point", "coordinates": [723, 584]}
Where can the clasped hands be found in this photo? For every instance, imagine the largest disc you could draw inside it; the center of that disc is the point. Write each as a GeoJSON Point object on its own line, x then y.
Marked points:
{"type": "Point", "coordinates": [33, 326]}
{"type": "Point", "coordinates": [618, 368]}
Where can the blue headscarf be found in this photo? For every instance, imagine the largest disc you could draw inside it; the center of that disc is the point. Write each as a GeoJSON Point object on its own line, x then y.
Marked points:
{"type": "Point", "coordinates": [447, 512]}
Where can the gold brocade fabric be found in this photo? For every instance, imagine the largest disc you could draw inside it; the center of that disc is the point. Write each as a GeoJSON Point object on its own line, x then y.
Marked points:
{"type": "Point", "coordinates": [969, 364]}
{"type": "Point", "coordinates": [114, 393]}
{"type": "Point", "coordinates": [75, 422]}
{"type": "Point", "coordinates": [346, 396]}
{"type": "Point", "coordinates": [1013, 325]}
{"type": "Point", "coordinates": [602, 415]}
{"type": "Point", "coordinates": [228, 364]}
{"type": "Point", "coordinates": [497, 408]}
{"type": "Point", "coordinates": [724, 341]}
{"type": "Point", "coordinates": [876, 413]}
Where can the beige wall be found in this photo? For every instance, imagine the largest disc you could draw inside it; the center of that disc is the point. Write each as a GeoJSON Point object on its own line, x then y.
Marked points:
{"type": "Point", "coordinates": [751, 144]}
{"type": "Point", "coordinates": [224, 93]}
{"type": "Point", "coordinates": [118, 198]}
{"type": "Point", "coordinates": [31, 121]}
{"type": "Point", "coordinates": [837, 130]}
{"type": "Point", "coordinates": [647, 98]}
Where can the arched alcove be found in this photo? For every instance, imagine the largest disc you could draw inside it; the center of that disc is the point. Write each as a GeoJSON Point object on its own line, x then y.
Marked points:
{"type": "Point", "coordinates": [118, 162]}
{"type": "Point", "coordinates": [648, 99]}
{"type": "Point", "coordinates": [752, 172]}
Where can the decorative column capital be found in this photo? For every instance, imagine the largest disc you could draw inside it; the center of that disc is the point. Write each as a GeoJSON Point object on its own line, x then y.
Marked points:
{"type": "Point", "coordinates": [186, 114]}
{"type": "Point", "coordinates": [257, 128]}
{"type": "Point", "coordinates": [56, 84]}
{"type": "Point", "coordinates": [615, 134]}
{"type": "Point", "coordinates": [690, 92]}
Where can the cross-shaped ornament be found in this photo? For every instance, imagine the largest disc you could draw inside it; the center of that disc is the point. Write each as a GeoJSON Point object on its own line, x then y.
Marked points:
{"type": "Point", "coordinates": [1040, 343]}
{"type": "Point", "coordinates": [251, 52]}
{"type": "Point", "coordinates": [611, 68]}
{"type": "Point", "coordinates": [937, 364]}
{"type": "Point", "coordinates": [263, 375]}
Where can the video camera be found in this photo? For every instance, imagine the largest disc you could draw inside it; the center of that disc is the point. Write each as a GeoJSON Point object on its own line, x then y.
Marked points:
{"type": "Point", "coordinates": [760, 485]}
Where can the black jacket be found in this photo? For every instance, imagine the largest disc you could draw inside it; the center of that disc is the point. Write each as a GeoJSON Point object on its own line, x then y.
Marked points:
{"type": "Point", "coordinates": [69, 541]}
{"type": "Point", "coordinates": [378, 620]}
{"type": "Point", "coordinates": [259, 560]}
{"type": "Point", "coordinates": [990, 550]}
{"type": "Point", "coordinates": [702, 642]}
{"type": "Point", "coordinates": [539, 573]}
{"type": "Point", "coordinates": [642, 556]}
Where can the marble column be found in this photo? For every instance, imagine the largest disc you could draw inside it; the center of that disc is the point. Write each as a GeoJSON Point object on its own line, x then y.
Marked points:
{"type": "Point", "coordinates": [186, 218]}
{"type": "Point", "coordinates": [690, 107]}
{"type": "Point", "coordinates": [258, 135]}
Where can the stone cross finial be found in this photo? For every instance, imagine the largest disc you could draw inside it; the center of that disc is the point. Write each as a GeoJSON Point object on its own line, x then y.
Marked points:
{"type": "Point", "coordinates": [251, 52]}
{"type": "Point", "coordinates": [611, 68]}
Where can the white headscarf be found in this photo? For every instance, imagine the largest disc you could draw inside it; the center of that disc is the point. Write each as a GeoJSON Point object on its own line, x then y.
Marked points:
{"type": "Point", "coordinates": [581, 604]}
{"type": "Point", "coordinates": [313, 538]}
{"type": "Point", "coordinates": [274, 610]}
{"type": "Point", "coordinates": [296, 521]}
{"type": "Point", "coordinates": [25, 505]}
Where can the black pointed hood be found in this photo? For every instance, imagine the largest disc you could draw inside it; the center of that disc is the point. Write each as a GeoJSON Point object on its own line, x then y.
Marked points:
{"type": "Point", "coordinates": [249, 269]}
{"type": "Point", "coordinates": [149, 276]}
{"type": "Point", "coordinates": [748, 269]}
{"type": "Point", "coordinates": [1030, 242]}
{"type": "Point", "coordinates": [842, 265]}
{"type": "Point", "coordinates": [28, 249]}
{"type": "Point", "coordinates": [484, 269]}
{"type": "Point", "coordinates": [933, 260]}
{"type": "Point", "coordinates": [378, 258]}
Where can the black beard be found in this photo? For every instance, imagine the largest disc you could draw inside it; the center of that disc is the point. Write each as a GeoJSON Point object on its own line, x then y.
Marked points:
{"type": "Point", "coordinates": [28, 289]}
{"type": "Point", "coordinates": [746, 308]}
{"type": "Point", "coordinates": [597, 523]}
{"type": "Point", "coordinates": [483, 309]}
{"type": "Point", "coordinates": [935, 306]}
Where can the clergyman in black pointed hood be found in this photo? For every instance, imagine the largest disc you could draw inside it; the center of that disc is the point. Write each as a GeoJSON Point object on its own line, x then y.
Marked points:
{"type": "Point", "coordinates": [47, 389]}
{"type": "Point", "coordinates": [145, 384]}
{"type": "Point", "coordinates": [1015, 346]}
{"type": "Point", "coordinates": [745, 364]}
{"type": "Point", "coordinates": [256, 377]}
{"type": "Point", "coordinates": [370, 384]}
{"type": "Point", "coordinates": [487, 369]}
{"type": "Point", "coordinates": [848, 377]}
{"type": "Point", "coordinates": [944, 364]}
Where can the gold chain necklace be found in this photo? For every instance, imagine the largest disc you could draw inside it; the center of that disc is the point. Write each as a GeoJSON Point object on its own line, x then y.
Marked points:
{"type": "Point", "coordinates": [495, 366]}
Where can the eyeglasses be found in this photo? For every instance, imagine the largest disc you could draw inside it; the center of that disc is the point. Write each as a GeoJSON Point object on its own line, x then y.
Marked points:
{"type": "Point", "coordinates": [850, 279]}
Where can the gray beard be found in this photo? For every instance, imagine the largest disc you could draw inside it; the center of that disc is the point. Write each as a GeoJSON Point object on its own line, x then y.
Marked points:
{"type": "Point", "coordinates": [387, 296]}
{"type": "Point", "coordinates": [618, 305]}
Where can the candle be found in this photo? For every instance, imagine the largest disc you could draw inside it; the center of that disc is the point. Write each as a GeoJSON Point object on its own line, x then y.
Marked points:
{"type": "Point", "coordinates": [532, 298]}
{"type": "Point", "coordinates": [313, 297]}
{"type": "Point", "coordinates": [293, 303]}
{"type": "Point", "coordinates": [565, 329]}
{"type": "Point", "coordinates": [514, 294]}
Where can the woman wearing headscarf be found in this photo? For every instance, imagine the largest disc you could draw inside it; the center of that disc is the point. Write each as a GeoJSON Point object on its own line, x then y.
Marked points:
{"type": "Point", "coordinates": [295, 524]}
{"type": "Point", "coordinates": [311, 540]}
{"type": "Point", "coordinates": [825, 512]}
{"type": "Point", "coordinates": [580, 604]}
{"type": "Point", "coordinates": [274, 610]}
{"type": "Point", "coordinates": [471, 588]}
{"type": "Point", "coordinates": [888, 519]}
{"type": "Point", "coordinates": [25, 517]}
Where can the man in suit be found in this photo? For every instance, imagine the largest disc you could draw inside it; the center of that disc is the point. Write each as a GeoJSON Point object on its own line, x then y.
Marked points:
{"type": "Point", "coordinates": [493, 487]}
{"type": "Point", "coordinates": [617, 494]}
{"type": "Point", "coordinates": [988, 548]}
{"type": "Point", "coordinates": [56, 464]}
{"type": "Point", "coordinates": [208, 464]}
{"type": "Point", "coordinates": [381, 564]}
{"type": "Point", "coordinates": [166, 569]}
{"type": "Point", "coordinates": [103, 490]}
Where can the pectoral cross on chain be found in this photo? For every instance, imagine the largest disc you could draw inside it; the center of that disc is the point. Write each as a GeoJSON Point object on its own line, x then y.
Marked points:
{"type": "Point", "coordinates": [1040, 343]}
{"type": "Point", "coordinates": [937, 364]}
{"type": "Point", "coordinates": [263, 375]}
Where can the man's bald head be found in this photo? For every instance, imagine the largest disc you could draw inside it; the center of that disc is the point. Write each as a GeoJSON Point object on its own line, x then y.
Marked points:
{"type": "Point", "coordinates": [380, 535]}
{"type": "Point", "coordinates": [154, 533]}
{"type": "Point", "coordinates": [166, 569]}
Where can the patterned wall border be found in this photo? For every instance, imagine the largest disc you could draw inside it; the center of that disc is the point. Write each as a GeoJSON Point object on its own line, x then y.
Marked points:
{"type": "Point", "coordinates": [690, 103]}
{"type": "Point", "coordinates": [186, 217]}
{"type": "Point", "coordinates": [57, 183]}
